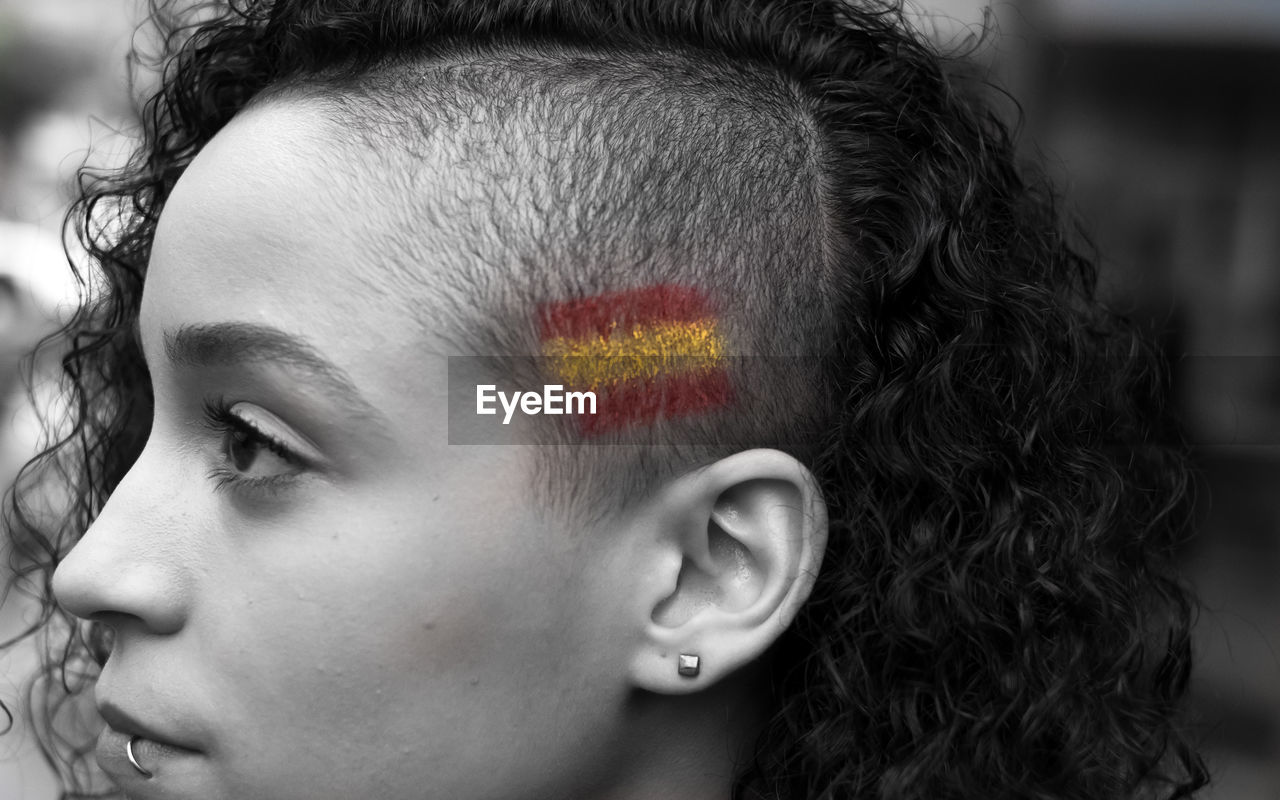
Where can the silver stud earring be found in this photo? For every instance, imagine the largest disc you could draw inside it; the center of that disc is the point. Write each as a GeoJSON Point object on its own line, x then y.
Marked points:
{"type": "Point", "coordinates": [688, 666]}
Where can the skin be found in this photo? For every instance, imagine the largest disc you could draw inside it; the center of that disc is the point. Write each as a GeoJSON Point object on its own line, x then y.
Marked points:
{"type": "Point", "coordinates": [393, 617]}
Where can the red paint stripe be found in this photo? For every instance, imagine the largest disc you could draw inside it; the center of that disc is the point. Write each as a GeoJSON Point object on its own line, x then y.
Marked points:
{"type": "Point", "coordinates": [641, 402]}
{"type": "Point", "coordinates": [601, 314]}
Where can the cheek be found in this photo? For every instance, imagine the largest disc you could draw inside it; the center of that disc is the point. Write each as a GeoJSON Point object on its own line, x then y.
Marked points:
{"type": "Point", "coordinates": [414, 636]}
{"type": "Point", "coordinates": [449, 602]}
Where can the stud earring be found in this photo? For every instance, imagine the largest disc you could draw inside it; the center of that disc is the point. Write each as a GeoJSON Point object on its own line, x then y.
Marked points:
{"type": "Point", "coordinates": [688, 666]}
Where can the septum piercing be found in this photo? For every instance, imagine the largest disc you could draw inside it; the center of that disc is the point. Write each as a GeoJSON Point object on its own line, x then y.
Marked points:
{"type": "Point", "coordinates": [128, 751]}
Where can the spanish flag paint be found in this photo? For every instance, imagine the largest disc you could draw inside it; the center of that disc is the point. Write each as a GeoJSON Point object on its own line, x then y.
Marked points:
{"type": "Point", "coordinates": [647, 353]}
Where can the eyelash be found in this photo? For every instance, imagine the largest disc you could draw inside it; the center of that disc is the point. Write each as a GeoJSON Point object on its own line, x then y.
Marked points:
{"type": "Point", "coordinates": [219, 418]}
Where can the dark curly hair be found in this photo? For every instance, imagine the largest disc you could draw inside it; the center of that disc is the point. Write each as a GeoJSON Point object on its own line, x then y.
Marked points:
{"type": "Point", "coordinates": [998, 614]}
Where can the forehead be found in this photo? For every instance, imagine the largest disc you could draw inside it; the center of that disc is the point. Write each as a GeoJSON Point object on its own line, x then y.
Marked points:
{"type": "Point", "coordinates": [267, 227]}
{"type": "Point", "coordinates": [264, 202]}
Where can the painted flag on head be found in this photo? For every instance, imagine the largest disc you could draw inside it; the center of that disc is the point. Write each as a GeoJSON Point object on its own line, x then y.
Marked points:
{"type": "Point", "coordinates": [648, 353]}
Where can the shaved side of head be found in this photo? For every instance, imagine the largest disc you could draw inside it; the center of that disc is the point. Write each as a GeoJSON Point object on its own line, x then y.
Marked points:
{"type": "Point", "coordinates": [575, 173]}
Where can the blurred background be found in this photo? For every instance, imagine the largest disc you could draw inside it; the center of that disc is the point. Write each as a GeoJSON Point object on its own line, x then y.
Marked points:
{"type": "Point", "coordinates": [1159, 120]}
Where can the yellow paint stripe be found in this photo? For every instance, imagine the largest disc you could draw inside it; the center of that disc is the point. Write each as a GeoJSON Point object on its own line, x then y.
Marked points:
{"type": "Point", "coordinates": [647, 351]}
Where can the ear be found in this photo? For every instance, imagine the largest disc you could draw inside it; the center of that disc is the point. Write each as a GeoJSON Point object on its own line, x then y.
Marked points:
{"type": "Point", "coordinates": [739, 546]}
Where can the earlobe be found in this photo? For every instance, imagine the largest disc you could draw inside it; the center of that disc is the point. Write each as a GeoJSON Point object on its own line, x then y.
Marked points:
{"type": "Point", "coordinates": [748, 533]}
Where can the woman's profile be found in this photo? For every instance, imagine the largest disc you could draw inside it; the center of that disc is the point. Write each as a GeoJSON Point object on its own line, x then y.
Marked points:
{"type": "Point", "coordinates": [873, 500]}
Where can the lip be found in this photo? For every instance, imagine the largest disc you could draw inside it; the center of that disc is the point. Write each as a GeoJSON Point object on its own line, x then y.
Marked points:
{"type": "Point", "coordinates": [170, 771]}
{"type": "Point", "coordinates": [124, 723]}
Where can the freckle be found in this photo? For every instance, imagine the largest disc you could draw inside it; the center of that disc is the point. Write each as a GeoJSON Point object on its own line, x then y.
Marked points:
{"type": "Point", "coordinates": [475, 681]}
{"type": "Point", "coordinates": [426, 626]}
{"type": "Point", "coordinates": [435, 497]}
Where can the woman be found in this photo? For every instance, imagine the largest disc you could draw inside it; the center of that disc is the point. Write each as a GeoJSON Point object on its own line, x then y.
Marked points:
{"type": "Point", "coordinates": [873, 503]}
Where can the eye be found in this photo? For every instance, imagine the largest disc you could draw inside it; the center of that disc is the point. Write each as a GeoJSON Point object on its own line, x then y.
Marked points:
{"type": "Point", "coordinates": [251, 454]}
{"type": "Point", "coordinates": [255, 454]}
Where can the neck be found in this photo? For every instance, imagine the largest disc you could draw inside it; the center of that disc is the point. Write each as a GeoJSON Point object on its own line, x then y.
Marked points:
{"type": "Point", "coordinates": [686, 748]}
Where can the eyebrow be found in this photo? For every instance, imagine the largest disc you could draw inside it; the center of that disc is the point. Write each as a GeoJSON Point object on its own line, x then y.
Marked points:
{"type": "Point", "coordinates": [232, 343]}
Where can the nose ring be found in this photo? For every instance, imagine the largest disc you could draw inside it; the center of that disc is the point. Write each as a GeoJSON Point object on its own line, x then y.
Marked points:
{"type": "Point", "coordinates": [128, 751]}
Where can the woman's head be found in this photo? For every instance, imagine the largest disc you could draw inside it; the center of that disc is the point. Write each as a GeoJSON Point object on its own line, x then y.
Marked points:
{"type": "Point", "coordinates": [310, 587]}
{"type": "Point", "coordinates": [946, 576]}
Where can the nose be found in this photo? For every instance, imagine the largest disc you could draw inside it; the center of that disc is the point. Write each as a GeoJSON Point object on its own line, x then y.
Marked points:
{"type": "Point", "coordinates": [130, 568]}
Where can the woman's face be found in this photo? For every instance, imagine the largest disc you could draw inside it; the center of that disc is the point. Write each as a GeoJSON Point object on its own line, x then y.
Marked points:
{"type": "Point", "coordinates": [309, 588]}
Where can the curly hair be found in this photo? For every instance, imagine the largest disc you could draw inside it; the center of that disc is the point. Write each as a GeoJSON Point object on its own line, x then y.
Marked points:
{"type": "Point", "coordinates": [999, 613]}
